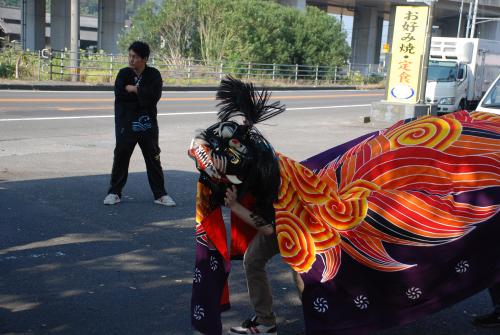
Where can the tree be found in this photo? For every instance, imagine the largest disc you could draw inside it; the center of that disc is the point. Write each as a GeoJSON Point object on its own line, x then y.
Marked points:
{"type": "Point", "coordinates": [233, 31]}
{"type": "Point", "coordinates": [143, 27]}
{"type": "Point", "coordinates": [169, 29]}
{"type": "Point", "coordinates": [214, 29]}
{"type": "Point", "coordinates": [176, 24]}
{"type": "Point", "coordinates": [319, 39]}
{"type": "Point", "coordinates": [263, 33]}
{"type": "Point", "coordinates": [88, 7]}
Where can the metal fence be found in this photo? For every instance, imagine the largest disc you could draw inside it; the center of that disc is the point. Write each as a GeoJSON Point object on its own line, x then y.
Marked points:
{"type": "Point", "coordinates": [100, 67]}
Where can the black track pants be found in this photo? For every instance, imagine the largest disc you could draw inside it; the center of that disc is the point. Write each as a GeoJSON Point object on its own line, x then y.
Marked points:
{"type": "Point", "coordinates": [495, 296]}
{"type": "Point", "coordinates": [148, 142]}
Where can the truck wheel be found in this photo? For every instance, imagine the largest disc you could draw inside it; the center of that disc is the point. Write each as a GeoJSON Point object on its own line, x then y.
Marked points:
{"type": "Point", "coordinates": [462, 105]}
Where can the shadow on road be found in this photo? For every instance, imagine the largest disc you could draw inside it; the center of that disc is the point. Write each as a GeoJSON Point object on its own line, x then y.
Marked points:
{"type": "Point", "coordinates": [71, 265]}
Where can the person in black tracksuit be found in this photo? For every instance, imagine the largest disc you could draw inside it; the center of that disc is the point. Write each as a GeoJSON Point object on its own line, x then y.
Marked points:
{"type": "Point", "coordinates": [138, 89]}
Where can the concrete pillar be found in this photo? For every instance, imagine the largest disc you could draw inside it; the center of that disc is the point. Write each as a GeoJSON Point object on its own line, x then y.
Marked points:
{"type": "Point", "coordinates": [299, 4]}
{"type": "Point", "coordinates": [378, 39]}
{"type": "Point", "coordinates": [111, 22]}
{"type": "Point", "coordinates": [60, 24]}
{"type": "Point", "coordinates": [33, 24]}
{"type": "Point", "coordinates": [366, 35]}
{"type": "Point", "coordinates": [392, 19]}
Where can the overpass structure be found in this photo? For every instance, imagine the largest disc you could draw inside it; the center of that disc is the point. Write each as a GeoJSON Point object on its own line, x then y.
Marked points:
{"type": "Point", "coordinates": [10, 29]}
{"type": "Point", "coordinates": [35, 23]}
{"type": "Point", "coordinates": [368, 17]}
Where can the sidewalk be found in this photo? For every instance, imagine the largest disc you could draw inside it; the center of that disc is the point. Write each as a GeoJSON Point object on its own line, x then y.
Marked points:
{"type": "Point", "coordinates": [53, 85]}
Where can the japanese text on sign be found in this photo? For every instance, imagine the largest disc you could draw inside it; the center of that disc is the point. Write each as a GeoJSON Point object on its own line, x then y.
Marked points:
{"type": "Point", "coordinates": [407, 52]}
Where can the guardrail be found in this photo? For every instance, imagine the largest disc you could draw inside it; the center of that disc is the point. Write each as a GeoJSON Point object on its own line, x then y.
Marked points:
{"type": "Point", "coordinates": [100, 67]}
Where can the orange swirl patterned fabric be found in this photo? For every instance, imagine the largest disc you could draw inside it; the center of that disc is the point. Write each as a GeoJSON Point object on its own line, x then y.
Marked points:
{"type": "Point", "coordinates": [400, 223]}
{"type": "Point", "coordinates": [384, 229]}
{"type": "Point", "coordinates": [405, 175]}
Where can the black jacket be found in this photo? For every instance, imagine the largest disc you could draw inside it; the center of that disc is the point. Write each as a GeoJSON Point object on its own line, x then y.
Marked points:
{"type": "Point", "coordinates": [137, 113]}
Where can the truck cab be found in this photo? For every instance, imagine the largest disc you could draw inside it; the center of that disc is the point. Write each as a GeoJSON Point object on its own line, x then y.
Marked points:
{"type": "Point", "coordinates": [447, 85]}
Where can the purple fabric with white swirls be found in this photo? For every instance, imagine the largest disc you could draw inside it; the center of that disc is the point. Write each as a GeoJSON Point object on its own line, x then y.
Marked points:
{"type": "Point", "coordinates": [360, 300]}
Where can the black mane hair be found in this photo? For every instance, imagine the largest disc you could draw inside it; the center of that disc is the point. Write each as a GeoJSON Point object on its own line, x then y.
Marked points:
{"type": "Point", "coordinates": [241, 99]}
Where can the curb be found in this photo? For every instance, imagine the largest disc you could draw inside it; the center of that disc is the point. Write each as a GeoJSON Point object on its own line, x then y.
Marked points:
{"type": "Point", "coordinates": [49, 87]}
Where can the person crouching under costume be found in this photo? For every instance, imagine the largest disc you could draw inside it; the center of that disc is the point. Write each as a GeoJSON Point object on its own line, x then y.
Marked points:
{"type": "Point", "coordinates": [241, 169]}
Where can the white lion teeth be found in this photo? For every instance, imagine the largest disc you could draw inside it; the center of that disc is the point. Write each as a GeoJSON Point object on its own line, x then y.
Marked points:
{"type": "Point", "coordinates": [203, 156]}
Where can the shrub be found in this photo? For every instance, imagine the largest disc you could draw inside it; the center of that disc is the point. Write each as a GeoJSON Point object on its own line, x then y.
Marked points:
{"type": "Point", "coordinates": [7, 70]}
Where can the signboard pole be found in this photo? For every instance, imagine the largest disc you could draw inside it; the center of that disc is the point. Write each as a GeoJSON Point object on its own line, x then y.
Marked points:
{"type": "Point", "coordinates": [427, 50]}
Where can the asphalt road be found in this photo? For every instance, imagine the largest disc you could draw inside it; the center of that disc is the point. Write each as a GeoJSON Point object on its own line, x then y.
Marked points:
{"type": "Point", "coordinates": [70, 265]}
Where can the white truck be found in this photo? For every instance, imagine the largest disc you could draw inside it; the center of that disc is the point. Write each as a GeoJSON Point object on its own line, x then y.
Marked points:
{"type": "Point", "coordinates": [460, 72]}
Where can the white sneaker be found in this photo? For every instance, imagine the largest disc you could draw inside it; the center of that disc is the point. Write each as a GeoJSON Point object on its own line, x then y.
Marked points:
{"type": "Point", "coordinates": [165, 200]}
{"type": "Point", "coordinates": [112, 199]}
{"type": "Point", "coordinates": [251, 326]}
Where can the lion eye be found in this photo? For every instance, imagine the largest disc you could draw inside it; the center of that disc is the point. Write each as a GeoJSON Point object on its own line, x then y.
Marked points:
{"type": "Point", "coordinates": [237, 145]}
{"type": "Point", "coordinates": [227, 130]}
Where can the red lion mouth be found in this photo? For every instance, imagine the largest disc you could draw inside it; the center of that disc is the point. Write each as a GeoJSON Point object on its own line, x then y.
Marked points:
{"type": "Point", "coordinates": [202, 155]}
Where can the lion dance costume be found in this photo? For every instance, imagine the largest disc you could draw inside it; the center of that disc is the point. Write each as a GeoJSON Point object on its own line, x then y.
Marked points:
{"type": "Point", "coordinates": [383, 230]}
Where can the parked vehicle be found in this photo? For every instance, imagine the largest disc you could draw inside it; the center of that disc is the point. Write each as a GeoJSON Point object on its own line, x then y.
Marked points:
{"type": "Point", "coordinates": [460, 71]}
{"type": "Point", "coordinates": [491, 101]}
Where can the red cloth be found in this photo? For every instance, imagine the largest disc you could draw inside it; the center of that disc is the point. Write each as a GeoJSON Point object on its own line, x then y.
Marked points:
{"type": "Point", "coordinates": [241, 233]}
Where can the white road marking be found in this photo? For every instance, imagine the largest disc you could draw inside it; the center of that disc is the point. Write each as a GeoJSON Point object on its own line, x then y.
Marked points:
{"type": "Point", "coordinates": [327, 107]}
{"type": "Point", "coordinates": [31, 92]}
{"type": "Point", "coordinates": [161, 114]}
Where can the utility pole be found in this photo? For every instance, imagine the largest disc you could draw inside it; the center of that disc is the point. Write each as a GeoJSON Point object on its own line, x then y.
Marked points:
{"type": "Point", "coordinates": [474, 16]}
{"type": "Point", "coordinates": [100, 27]}
{"type": "Point", "coordinates": [24, 17]}
{"type": "Point", "coordinates": [469, 19]}
{"type": "Point", "coordinates": [460, 19]}
{"type": "Point", "coordinates": [425, 60]}
{"type": "Point", "coordinates": [75, 40]}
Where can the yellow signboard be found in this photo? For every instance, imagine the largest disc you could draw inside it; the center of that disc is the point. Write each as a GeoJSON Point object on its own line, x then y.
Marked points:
{"type": "Point", "coordinates": [408, 46]}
